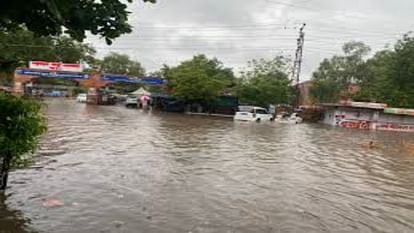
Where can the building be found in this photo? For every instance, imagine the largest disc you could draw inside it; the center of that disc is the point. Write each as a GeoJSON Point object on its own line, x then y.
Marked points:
{"type": "Point", "coordinates": [368, 116]}
{"type": "Point", "coordinates": [304, 89]}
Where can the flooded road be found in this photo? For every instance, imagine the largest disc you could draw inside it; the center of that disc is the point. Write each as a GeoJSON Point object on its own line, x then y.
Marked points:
{"type": "Point", "coordinates": [123, 170]}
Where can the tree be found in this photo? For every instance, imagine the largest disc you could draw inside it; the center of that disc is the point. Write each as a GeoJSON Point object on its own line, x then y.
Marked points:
{"type": "Point", "coordinates": [21, 124]}
{"type": "Point", "coordinates": [198, 80]}
{"type": "Point", "coordinates": [19, 47]}
{"type": "Point", "coordinates": [374, 83]}
{"type": "Point", "coordinates": [390, 76]}
{"type": "Point", "coordinates": [116, 63]}
{"type": "Point", "coordinates": [335, 75]}
{"type": "Point", "coordinates": [266, 82]}
{"type": "Point", "coordinates": [106, 18]}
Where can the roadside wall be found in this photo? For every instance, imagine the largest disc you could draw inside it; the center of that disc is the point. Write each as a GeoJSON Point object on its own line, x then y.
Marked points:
{"type": "Point", "coordinates": [357, 118]}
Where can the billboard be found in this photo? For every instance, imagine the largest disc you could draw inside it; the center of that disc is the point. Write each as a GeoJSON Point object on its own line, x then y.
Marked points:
{"type": "Point", "coordinates": [55, 66]}
{"type": "Point", "coordinates": [53, 74]}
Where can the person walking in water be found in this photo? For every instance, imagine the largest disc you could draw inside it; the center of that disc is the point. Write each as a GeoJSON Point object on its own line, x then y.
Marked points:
{"type": "Point", "coordinates": [145, 101]}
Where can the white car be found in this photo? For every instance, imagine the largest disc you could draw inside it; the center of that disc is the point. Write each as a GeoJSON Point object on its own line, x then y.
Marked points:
{"type": "Point", "coordinates": [82, 98]}
{"type": "Point", "coordinates": [254, 114]}
{"type": "Point", "coordinates": [294, 118]}
{"type": "Point", "coordinates": [131, 101]}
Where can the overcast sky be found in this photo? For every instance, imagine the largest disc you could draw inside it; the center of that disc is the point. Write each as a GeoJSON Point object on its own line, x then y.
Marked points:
{"type": "Point", "coordinates": [236, 31]}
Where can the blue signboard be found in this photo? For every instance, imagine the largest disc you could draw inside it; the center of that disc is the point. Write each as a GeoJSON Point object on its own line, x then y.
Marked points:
{"type": "Point", "coordinates": [83, 76]}
{"type": "Point", "coordinates": [127, 79]}
{"type": "Point", "coordinates": [53, 74]}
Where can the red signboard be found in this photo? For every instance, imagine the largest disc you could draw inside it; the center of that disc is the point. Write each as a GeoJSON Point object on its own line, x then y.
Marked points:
{"type": "Point", "coordinates": [55, 66]}
{"type": "Point", "coordinates": [355, 124]}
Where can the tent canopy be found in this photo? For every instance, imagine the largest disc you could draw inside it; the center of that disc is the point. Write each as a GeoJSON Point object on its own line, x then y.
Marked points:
{"type": "Point", "coordinates": [141, 91]}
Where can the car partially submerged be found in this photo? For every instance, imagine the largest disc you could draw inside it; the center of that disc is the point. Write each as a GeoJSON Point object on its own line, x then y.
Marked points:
{"type": "Point", "coordinates": [293, 118]}
{"type": "Point", "coordinates": [252, 113]}
{"type": "Point", "coordinates": [82, 98]}
{"type": "Point", "coordinates": [131, 101]}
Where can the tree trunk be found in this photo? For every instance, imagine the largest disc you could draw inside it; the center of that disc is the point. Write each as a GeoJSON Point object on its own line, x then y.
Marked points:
{"type": "Point", "coordinates": [4, 172]}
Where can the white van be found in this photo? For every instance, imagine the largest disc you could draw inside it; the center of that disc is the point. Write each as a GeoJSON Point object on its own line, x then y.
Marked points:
{"type": "Point", "coordinates": [253, 114]}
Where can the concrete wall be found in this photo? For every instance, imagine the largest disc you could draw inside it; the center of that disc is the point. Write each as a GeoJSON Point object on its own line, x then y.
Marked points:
{"type": "Point", "coordinates": [334, 116]}
{"type": "Point", "coordinates": [367, 119]}
{"type": "Point", "coordinates": [391, 118]}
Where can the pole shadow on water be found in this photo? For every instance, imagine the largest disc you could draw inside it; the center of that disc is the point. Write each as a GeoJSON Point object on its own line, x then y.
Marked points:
{"type": "Point", "coordinates": [12, 221]}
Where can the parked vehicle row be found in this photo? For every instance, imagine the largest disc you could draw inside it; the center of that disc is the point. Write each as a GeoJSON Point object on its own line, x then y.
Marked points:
{"type": "Point", "coordinates": [253, 113]}
{"type": "Point", "coordinates": [245, 113]}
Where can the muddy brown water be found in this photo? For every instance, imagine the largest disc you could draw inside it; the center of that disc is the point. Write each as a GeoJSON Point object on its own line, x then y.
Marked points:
{"type": "Point", "coordinates": [124, 170]}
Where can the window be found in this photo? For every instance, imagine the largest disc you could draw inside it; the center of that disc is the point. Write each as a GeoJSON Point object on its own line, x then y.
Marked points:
{"type": "Point", "coordinates": [261, 111]}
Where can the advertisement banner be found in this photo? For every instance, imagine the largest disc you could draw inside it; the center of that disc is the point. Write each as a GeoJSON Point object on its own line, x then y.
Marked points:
{"type": "Point", "coordinates": [52, 74]}
{"type": "Point", "coordinates": [55, 66]}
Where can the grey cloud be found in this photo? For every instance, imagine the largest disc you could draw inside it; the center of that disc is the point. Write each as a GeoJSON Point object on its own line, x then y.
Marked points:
{"type": "Point", "coordinates": [236, 31]}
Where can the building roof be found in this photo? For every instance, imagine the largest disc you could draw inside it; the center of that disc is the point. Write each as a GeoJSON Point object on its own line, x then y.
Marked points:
{"type": "Point", "coordinates": [363, 105]}
{"type": "Point", "coordinates": [399, 111]}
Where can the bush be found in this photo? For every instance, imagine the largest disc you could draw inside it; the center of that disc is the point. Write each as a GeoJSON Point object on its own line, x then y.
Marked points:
{"type": "Point", "coordinates": [21, 124]}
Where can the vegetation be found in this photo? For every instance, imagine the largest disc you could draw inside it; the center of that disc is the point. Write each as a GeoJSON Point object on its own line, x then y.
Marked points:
{"type": "Point", "coordinates": [387, 77]}
{"type": "Point", "coordinates": [73, 17]}
{"type": "Point", "coordinates": [19, 47]}
{"type": "Point", "coordinates": [390, 76]}
{"type": "Point", "coordinates": [335, 75]}
{"type": "Point", "coordinates": [266, 82]}
{"type": "Point", "coordinates": [76, 91]}
{"type": "Point", "coordinates": [21, 124]}
{"type": "Point", "coordinates": [198, 80]}
{"type": "Point", "coordinates": [116, 63]}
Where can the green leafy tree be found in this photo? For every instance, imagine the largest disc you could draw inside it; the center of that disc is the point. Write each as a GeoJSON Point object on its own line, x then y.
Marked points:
{"type": "Point", "coordinates": [199, 80]}
{"type": "Point", "coordinates": [21, 124]}
{"type": "Point", "coordinates": [67, 50]}
{"type": "Point", "coordinates": [116, 63]}
{"type": "Point", "coordinates": [375, 83]}
{"type": "Point", "coordinates": [333, 77]}
{"type": "Point", "coordinates": [266, 82]}
{"type": "Point", "coordinates": [389, 77]}
{"type": "Point", "coordinates": [106, 18]}
{"type": "Point", "coordinates": [19, 47]}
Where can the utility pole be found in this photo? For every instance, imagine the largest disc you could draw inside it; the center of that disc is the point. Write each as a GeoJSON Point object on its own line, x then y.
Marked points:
{"type": "Point", "coordinates": [297, 65]}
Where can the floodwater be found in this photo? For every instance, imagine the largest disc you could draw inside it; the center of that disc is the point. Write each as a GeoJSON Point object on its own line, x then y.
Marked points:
{"type": "Point", "coordinates": [127, 171]}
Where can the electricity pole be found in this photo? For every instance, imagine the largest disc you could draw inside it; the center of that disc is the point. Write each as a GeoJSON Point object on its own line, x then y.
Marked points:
{"type": "Point", "coordinates": [297, 65]}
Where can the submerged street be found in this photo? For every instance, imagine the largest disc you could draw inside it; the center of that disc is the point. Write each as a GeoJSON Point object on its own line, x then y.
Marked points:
{"type": "Point", "coordinates": [125, 170]}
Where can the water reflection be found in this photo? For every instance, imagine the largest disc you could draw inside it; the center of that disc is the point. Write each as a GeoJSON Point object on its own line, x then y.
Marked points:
{"type": "Point", "coordinates": [119, 170]}
{"type": "Point", "coordinates": [12, 221]}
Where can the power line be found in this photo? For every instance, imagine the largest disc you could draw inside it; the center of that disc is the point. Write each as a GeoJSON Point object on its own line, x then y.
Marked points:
{"type": "Point", "coordinates": [283, 25]}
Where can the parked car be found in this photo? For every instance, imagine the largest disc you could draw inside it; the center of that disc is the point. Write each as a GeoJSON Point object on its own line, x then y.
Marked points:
{"type": "Point", "coordinates": [131, 101]}
{"type": "Point", "coordinates": [82, 98]}
{"type": "Point", "coordinates": [293, 118]}
{"type": "Point", "coordinates": [253, 114]}
{"type": "Point", "coordinates": [54, 94]}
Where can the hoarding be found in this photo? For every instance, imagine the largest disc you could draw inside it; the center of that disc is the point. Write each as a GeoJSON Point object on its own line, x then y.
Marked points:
{"type": "Point", "coordinates": [55, 66]}
{"type": "Point", "coordinates": [52, 74]}
{"type": "Point", "coordinates": [127, 79]}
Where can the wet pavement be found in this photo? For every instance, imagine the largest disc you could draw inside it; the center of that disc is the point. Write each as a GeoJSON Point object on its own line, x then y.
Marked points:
{"type": "Point", "coordinates": [124, 170]}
